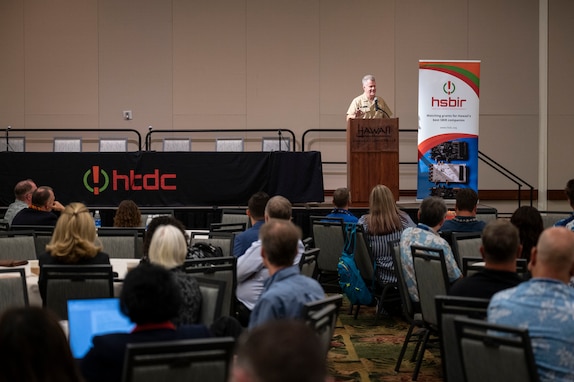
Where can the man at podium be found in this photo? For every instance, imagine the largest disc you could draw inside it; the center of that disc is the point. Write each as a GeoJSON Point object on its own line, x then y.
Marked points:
{"type": "Point", "coordinates": [368, 105]}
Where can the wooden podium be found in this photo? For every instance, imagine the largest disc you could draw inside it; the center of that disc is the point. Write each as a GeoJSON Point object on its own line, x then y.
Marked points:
{"type": "Point", "coordinates": [372, 157]}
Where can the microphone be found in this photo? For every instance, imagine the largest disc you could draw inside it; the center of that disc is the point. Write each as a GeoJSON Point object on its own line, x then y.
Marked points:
{"type": "Point", "coordinates": [378, 108]}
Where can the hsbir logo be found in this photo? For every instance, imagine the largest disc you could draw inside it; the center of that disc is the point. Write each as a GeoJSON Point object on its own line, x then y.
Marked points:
{"type": "Point", "coordinates": [449, 88]}
{"type": "Point", "coordinates": [131, 181]}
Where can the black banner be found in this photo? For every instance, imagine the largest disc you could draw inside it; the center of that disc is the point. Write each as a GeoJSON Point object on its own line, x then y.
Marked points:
{"type": "Point", "coordinates": [166, 178]}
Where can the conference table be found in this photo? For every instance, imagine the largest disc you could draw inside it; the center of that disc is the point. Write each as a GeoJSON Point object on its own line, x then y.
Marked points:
{"type": "Point", "coordinates": [153, 179]}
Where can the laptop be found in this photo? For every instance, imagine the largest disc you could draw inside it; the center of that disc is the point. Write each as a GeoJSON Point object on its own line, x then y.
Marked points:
{"type": "Point", "coordinates": [92, 317]}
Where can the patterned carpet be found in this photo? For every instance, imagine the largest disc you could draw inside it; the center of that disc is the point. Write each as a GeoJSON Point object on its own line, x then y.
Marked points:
{"type": "Point", "coordinates": [363, 351]}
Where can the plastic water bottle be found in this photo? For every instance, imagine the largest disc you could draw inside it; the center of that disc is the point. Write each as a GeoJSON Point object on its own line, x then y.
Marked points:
{"type": "Point", "coordinates": [97, 219]}
{"type": "Point", "coordinates": [149, 219]}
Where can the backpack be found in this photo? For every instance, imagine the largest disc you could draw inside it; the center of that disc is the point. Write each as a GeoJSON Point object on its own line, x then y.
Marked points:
{"type": "Point", "coordinates": [350, 280]}
{"type": "Point", "coordinates": [203, 250]}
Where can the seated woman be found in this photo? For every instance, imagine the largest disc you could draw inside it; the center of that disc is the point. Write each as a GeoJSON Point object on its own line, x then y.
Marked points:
{"type": "Point", "coordinates": [168, 248]}
{"type": "Point", "coordinates": [384, 223]}
{"type": "Point", "coordinates": [151, 299]}
{"type": "Point", "coordinates": [33, 347]}
{"type": "Point", "coordinates": [73, 242]}
{"type": "Point", "coordinates": [530, 225]}
{"type": "Point", "coordinates": [128, 215]}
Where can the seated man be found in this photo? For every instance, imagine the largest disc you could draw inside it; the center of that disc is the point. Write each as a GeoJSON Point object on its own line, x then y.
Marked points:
{"type": "Point", "coordinates": [432, 213]}
{"type": "Point", "coordinates": [286, 290]}
{"type": "Point", "coordinates": [256, 212]}
{"type": "Point", "coordinates": [341, 201]}
{"type": "Point", "coordinates": [465, 209]}
{"type": "Point", "coordinates": [279, 351]}
{"type": "Point", "coordinates": [569, 221]}
{"type": "Point", "coordinates": [500, 249]}
{"type": "Point", "coordinates": [23, 198]}
{"type": "Point", "coordinates": [40, 210]}
{"type": "Point", "coordinates": [251, 272]}
{"type": "Point", "coordinates": [150, 298]}
{"type": "Point", "coordinates": [544, 305]}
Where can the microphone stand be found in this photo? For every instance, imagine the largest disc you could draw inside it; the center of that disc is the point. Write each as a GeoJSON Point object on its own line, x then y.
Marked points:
{"type": "Point", "coordinates": [378, 108]}
{"type": "Point", "coordinates": [7, 139]}
{"type": "Point", "coordinates": [280, 134]}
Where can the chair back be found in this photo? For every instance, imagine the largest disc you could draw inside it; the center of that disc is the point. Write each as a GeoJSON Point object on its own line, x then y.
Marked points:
{"type": "Point", "coordinates": [494, 353]}
{"type": "Point", "coordinates": [364, 258]}
{"type": "Point", "coordinates": [176, 144]}
{"type": "Point", "coordinates": [321, 316]}
{"type": "Point", "coordinates": [212, 294]}
{"type": "Point", "coordinates": [217, 268]}
{"type": "Point", "coordinates": [447, 309]}
{"type": "Point", "coordinates": [119, 243]}
{"type": "Point", "coordinates": [230, 216]}
{"type": "Point", "coordinates": [308, 262]}
{"type": "Point", "coordinates": [432, 279]}
{"type": "Point", "coordinates": [113, 145]}
{"type": "Point", "coordinates": [17, 245]}
{"type": "Point", "coordinates": [67, 145]}
{"type": "Point", "coordinates": [66, 282]}
{"type": "Point", "coordinates": [13, 288]}
{"type": "Point", "coordinates": [223, 240]}
{"type": "Point", "coordinates": [406, 301]}
{"type": "Point", "coordinates": [227, 227]}
{"type": "Point", "coordinates": [466, 244]}
{"type": "Point", "coordinates": [15, 144]}
{"type": "Point", "coordinates": [196, 360]}
{"type": "Point", "coordinates": [229, 144]}
{"type": "Point", "coordinates": [276, 144]}
{"type": "Point", "coordinates": [329, 235]}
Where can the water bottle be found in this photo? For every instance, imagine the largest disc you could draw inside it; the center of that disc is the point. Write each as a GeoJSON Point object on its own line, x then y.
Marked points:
{"type": "Point", "coordinates": [149, 219]}
{"type": "Point", "coordinates": [97, 219]}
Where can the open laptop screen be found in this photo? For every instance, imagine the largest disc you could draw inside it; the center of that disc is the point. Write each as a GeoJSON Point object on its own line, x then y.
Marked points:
{"type": "Point", "coordinates": [91, 317]}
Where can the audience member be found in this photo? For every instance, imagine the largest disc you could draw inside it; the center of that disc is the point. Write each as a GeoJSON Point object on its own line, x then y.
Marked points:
{"type": "Point", "coordinates": [432, 213]}
{"type": "Point", "coordinates": [128, 215]}
{"type": "Point", "coordinates": [279, 351]}
{"type": "Point", "coordinates": [383, 224]}
{"type": "Point", "coordinates": [465, 213]}
{"type": "Point", "coordinates": [150, 298]}
{"type": "Point", "coordinates": [73, 242]}
{"type": "Point", "coordinates": [34, 348]}
{"type": "Point", "coordinates": [256, 212]}
{"type": "Point", "coordinates": [251, 271]}
{"type": "Point", "coordinates": [152, 226]}
{"type": "Point", "coordinates": [569, 221]}
{"type": "Point", "coordinates": [530, 225]}
{"type": "Point", "coordinates": [168, 249]}
{"type": "Point", "coordinates": [500, 249]}
{"type": "Point", "coordinates": [22, 198]}
{"type": "Point", "coordinates": [40, 211]}
{"type": "Point", "coordinates": [341, 201]}
{"type": "Point", "coordinates": [544, 305]}
{"type": "Point", "coordinates": [286, 290]}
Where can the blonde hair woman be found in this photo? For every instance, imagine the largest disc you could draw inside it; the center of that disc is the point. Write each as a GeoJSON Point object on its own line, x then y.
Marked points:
{"type": "Point", "coordinates": [73, 242]}
{"type": "Point", "coordinates": [168, 248]}
{"type": "Point", "coordinates": [384, 223]}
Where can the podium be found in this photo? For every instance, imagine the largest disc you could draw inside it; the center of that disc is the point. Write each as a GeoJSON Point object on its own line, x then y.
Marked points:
{"type": "Point", "coordinates": [372, 157]}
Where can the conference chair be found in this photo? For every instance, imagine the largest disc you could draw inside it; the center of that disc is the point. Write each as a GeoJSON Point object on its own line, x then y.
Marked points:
{"type": "Point", "coordinates": [149, 213]}
{"type": "Point", "coordinates": [176, 144]}
{"type": "Point", "coordinates": [432, 280]}
{"type": "Point", "coordinates": [196, 360]}
{"type": "Point", "coordinates": [13, 288]}
{"type": "Point", "coordinates": [227, 227]}
{"type": "Point", "coordinates": [308, 262]}
{"type": "Point", "coordinates": [223, 240]}
{"type": "Point", "coordinates": [212, 294]}
{"type": "Point", "coordinates": [113, 145]}
{"type": "Point", "coordinates": [471, 265]}
{"type": "Point", "coordinates": [42, 235]}
{"type": "Point", "coordinates": [229, 144]}
{"type": "Point", "coordinates": [466, 244]}
{"type": "Point", "coordinates": [329, 235]}
{"type": "Point", "coordinates": [217, 268]}
{"type": "Point", "coordinates": [276, 144]}
{"type": "Point", "coordinates": [17, 245]}
{"type": "Point", "coordinates": [119, 243]}
{"type": "Point", "coordinates": [232, 215]}
{"type": "Point", "coordinates": [66, 282]}
{"type": "Point", "coordinates": [494, 353]}
{"type": "Point", "coordinates": [321, 316]}
{"type": "Point", "coordinates": [15, 144]}
{"type": "Point", "coordinates": [448, 308]}
{"type": "Point", "coordinates": [67, 145]}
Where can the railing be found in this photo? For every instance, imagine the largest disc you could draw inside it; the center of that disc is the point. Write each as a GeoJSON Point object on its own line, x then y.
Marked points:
{"type": "Point", "coordinates": [279, 132]}
{"type": "Point", "coordinates": [9, 130]}
{"type": "Point", "coordinates": [519, 182]}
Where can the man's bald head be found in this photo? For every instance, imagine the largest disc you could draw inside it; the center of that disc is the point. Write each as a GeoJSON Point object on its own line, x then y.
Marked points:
{"type": "Point", "coordinates": [554, 254]}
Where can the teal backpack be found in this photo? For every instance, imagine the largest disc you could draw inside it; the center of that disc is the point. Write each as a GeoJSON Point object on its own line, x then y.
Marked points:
{"type": "Point", "coordinates": [350, 280]}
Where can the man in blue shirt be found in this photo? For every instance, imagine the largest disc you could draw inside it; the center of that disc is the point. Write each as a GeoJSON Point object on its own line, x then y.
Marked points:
{"type": "Point", "coordinates": [341, 201]}
{"type": "Point", "coordinates": [256, 212]}
{"type": "Point", "coordinates": [465, 209]}
{"type": "Point", "coordinates": [544, 305]}
{"type": "Point", "coordinates": [286, 290]}
{"type": "Point", "coordinates": [569, 221]}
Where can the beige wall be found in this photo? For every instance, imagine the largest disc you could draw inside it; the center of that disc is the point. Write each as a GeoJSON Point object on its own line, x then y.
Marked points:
{"type": "Point", "coordinates": [283, 64]}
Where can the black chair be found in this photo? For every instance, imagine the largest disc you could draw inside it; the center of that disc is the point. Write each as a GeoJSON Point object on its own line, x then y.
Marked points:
{"type": "Point", "coordinates": [329, 235]}
{"type": "Point", "coordinates": [235, 215]}
{"type": "Point", "coordinates": [120, 243]}
{"type": "Point", "coordinates": [472, 265]}
{"type": "Point", "coordinates": [308, 262]}
{"type": "Point", "coordinates": [18, 245]}
{"type": "Point", "coordinates": [466, 244]}
{"type": "Point", "coordinates": [42, 235]}
{"type": "Point", "coordinates": [218, 268]}
{"type": "Point", "coordinates": [212, 293]}
{"type": "Point", "coordinates": [447, 309]}
{"type": "Point", "coordinates": [494, 353]}
{"type": "Point", "coordinates": [13, 288]}
{"type": "Point", "coordinates": [321, 316]}
{"type": "Point", "coordinates": [66, 282]}
{"type": "Point", "coordinates": [196, 360]}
